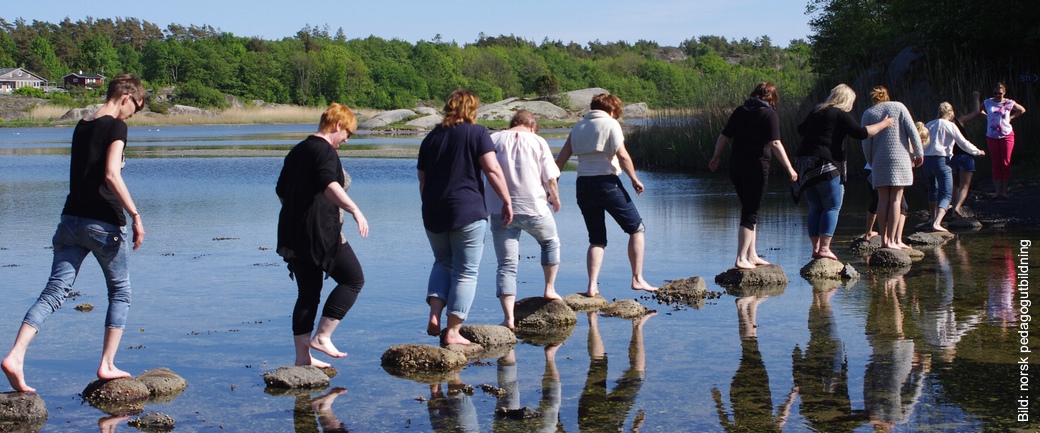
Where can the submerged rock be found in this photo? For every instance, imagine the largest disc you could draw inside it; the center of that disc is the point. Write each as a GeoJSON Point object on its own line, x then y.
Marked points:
{"type": "Point", "coordinates": [580, 302]}
{"type": "Point", "coordinates": [625, 309]}
{"type": "Point", "coordinates": [930, 238]}
{"type": "Point", "coordinates": [421, 358]}
{"type": "Point", "coordinates": [297, 376]}
{"type": "Point", "coordinates": [537, 313]}
{"type": "Point", "coordinates": [759, 276]}
{"type": "Point", "coordinates": [488, 335]}
{"type": "Point", "coordinates": [690, 291]}
{"type": "Point", "coordinates": [964, 224]}
{"type": "Point", "coordinates": [162, 382]}
{"type": "Point", "coordinates": [822, 268]}
{"type": "Point", "coordinates": [85, 307]}
{"type": "Point", "coordinates": [522, 413]}
{"type": "Point", "coordinates": [763, 290]}
{"type": "Point", "coordinates": [547, 336]}
{"type": "Point", "coordinates": [470, 351]}
{"type": "Point", "coordinates": [915, 254]}
{"type": "Point", "coordinates": [22, 411]}
{"type": "Point", "coordinates": [152, 422]}
{"type": "Point", "coordinates": [889, 258]}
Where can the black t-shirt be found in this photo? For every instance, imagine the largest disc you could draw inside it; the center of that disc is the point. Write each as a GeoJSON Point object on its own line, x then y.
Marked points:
{"type": "Point", "coordinates": [309, 224]}
{"type": "Point", "coordinates": [823, 134]}
{"type": "Point", "coordinates": [453, 194]}
{"type": "Point", "coordinates": [89, 195]}
{"type": "Point", "coordinates": [752, 127]}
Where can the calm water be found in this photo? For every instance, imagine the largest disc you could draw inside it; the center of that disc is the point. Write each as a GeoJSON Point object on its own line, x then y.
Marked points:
{"type": "Point", "coordinates": [932, 350]}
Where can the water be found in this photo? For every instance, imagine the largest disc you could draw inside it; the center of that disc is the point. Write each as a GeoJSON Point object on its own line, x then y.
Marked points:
{"type": "Point", "coordinates": [933, 350]}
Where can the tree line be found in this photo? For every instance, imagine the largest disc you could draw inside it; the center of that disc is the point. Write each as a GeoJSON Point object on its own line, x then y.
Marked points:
{"type": "Point", "coordinates": [315, 66]}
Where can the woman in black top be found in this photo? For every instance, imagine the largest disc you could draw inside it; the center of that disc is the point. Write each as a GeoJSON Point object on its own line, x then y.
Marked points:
{"type": "Point", "coordinates": [755, 130]}
{"type": "Point", "coordinates": [312, 189]}
{"type": "Point", "coordinates": [820, 162]}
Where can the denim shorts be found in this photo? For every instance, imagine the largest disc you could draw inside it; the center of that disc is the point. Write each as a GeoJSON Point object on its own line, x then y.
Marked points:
{"type": "Point", "coordinates": [962, 162]}
{"type": "Point", "coordinates": [598, 194]}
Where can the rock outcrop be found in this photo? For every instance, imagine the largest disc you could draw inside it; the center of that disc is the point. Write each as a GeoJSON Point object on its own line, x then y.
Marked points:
{"type": "Point", "coordinates": [162, 383]}
{"type": "Point", "coordinates": [297, 376]}
{"type": "Point", "coordinates": [625, 309]}
{"type": "Point", "coordinates": [386, 118]}
{"type": "Point", "coordinates": [580, 99]}
{"type": "Point", "coordinates": [488, 335]}
{"type": "Point", "coordinates": [759, 276]}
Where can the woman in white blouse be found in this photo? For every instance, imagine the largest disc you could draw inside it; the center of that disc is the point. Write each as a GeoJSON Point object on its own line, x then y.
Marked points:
{"type": "Point", "coordinates": [938, 175]}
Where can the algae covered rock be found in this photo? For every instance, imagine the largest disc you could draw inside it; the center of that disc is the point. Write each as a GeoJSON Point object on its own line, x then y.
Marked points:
{"type": "Point", "coordinates": [580, 302]}
{"type": "Point", "coordinates": [488, 335]}
{"type": "Point", "coordinates": [162, 382]}
{"type": "Point", "coordinates": [822, 268]}
{"type": "Point", "coordinates": [689, 291]}
{"type": "Point", "coordinates": [22, 411]}
{"type": "Point", "coordinates": [930, 238]}
{"type": "Point", "coordinates": [116, 391]}
{"type": "Point", "coordinates": [889, 258]}
{"type": "Point", "coordinates": [297, 376]}
{"type": "Point", "coordinates": [862, 247]}
{"type": "Point", "coordinates": [964, 225]}
{"type": "Point", "coordinates": [759, 276]}
{"type": "Point", "coordinates": [625, 309]}
{"type": "Point", "coordinates": [536, 313]}
{"type": "Point", "coordinates": [153, 422]}
{"type": "Point", "coordinates": [422, 358]}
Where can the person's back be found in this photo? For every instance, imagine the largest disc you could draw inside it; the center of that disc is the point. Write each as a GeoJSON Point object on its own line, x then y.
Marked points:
{"type": "Point", "coordinates": [595, 140]}
{"type": "Point", "coordinates": [527, 163]}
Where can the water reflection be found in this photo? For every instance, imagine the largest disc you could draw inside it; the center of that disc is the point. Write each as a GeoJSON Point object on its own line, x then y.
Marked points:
{"type": "Point", "coordinates": [598, 409]}
{"type": "Point", "coordinates": [821, 372]}
{"type": "Point", "coordinates": [1000, 304]}
{"type": "Point", "coordinates": [548, 418]}
{"type": "Point", "coordinates": [306, 409]}
{"type": "Point", "coordinates": [454, 411]}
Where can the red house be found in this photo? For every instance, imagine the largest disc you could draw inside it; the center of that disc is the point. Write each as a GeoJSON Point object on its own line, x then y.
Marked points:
{"type": "Point", "coordinates": [89, 81]}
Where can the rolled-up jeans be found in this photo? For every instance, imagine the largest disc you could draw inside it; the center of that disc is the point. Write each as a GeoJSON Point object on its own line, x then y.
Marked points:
{"type": "Point", "coordinates": [73, 240]}
{"type": "Point", "coordinates": [507, 246]}
{"type": "Point", "coordinates": [456, 260]}
{"type": "Point", "coordinates": [939, 178]}
{"type": "Point", "coordinates": [824, 205]}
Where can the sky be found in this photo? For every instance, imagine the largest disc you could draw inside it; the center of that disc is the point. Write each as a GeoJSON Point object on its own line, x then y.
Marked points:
{"type": "Point", "coordinates": [667, 22]}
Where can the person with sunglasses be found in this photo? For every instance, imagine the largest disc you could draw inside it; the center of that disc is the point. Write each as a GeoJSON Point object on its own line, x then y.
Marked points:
{"type": "Point", "coordinates": [93, 221]}
{"type": "Point", "coordinates": [1000, 137]}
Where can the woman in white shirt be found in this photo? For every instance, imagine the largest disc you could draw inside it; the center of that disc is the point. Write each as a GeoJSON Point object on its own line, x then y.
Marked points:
{"type": "Point", "coordinates": [938, 175]}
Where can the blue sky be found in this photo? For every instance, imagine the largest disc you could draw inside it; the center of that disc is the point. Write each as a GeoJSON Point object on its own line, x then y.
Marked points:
{"type": "Point", "coordinates": [668, 22]}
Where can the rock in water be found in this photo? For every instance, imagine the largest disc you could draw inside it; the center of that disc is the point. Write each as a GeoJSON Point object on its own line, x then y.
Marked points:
{"type": "Point", "coordinates": [889, 258]}
{"type": "Point", "coordinates": [930, 238]}
{"type": "Point", "coordinates": [532, 314]}
{"type": "Point", "coordinates": [405, 358]}
{"type": "Point", "coordinates": [625, 309]}
{"type": "Point", "coordinates": [162, 382]}
{"type": "Point", "coordinates": [488, 335]}
{"type": "Point", "coordinates": [297, 376]}
{"type": "Point", "coordinates": [153, 422]}
{"type": "Point", "coordinates": [580, 302]}
{"type": "Point", "coordinates": [759, 276]}
{"type": "Point", "coordinates": [690, 291]}
{"type": "Point", "coordinates": [22, 411]}
{"type": "Point", "coordinates": [822, 268]}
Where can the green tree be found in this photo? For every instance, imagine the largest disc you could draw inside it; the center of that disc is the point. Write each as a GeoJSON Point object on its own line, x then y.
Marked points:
{"type": "Point", "coordinates": [42, 60]}
{"type": "Point", "coordinates": [100, 56]}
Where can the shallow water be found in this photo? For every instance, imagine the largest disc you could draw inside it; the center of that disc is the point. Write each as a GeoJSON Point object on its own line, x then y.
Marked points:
{"type": "Point", "coordinates": [933, 350]}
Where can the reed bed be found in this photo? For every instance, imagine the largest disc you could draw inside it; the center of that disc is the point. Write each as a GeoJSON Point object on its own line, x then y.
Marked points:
{"type": "Point", "coordinates": [234, 116]}
{"type": "Point", "coordinates": [41, 113]}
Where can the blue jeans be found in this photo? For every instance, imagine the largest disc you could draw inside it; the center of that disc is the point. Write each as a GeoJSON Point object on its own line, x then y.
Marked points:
{"type": "Point", "coordinates": [939, 178]}
{"type": "Point", "coordinates": [456, 260]}
{"type": "Point", "coordinates": [824, 204]}
{"type": "Point", "coordinates": [598, 194]}
{"type": "Point", "coordinates": [73, 240]}
{"type": "Point", "coordinates": [507, 246]}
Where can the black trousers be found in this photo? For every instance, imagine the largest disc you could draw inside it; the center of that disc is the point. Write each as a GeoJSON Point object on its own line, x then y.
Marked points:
{"type": "Point", "coordinates": [346, 271]}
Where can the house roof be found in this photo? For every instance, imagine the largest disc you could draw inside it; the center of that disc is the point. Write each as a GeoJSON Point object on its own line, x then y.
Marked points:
{"type": "Point", "coordinates": [19, 74]}
{"type": "Point", "coordinates": [82, 75]}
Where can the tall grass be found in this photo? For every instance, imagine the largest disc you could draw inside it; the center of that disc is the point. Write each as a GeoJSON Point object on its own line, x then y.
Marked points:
{"type": "Point", "coordinates": [684, 140]}
{"type": "Point", "coordinates": [235, 116]}
{"type": "Point", "coordinates": [46, 113]}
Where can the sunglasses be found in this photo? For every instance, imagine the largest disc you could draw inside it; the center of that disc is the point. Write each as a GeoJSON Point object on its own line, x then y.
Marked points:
{"type": "Point", "coordinates": [138, 106]}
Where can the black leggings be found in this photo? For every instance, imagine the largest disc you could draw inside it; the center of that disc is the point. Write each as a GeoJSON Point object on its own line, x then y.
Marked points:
{"type": "Point", "coordinates": [346, 271]}
{"type": "Point", "coordinates": [750, 182]}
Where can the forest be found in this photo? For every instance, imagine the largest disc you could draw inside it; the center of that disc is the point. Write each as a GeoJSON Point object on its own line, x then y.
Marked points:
{"type": "Point", "coordinates": [316, 66]}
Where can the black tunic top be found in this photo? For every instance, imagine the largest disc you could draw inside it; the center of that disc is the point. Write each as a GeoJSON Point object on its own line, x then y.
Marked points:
{"type": "Point", "coordinates": [309, 224]}
{"type": "Point", "coordinates": [823, 134]}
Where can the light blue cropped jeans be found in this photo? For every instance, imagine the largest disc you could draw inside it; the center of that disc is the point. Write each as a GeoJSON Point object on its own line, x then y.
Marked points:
{"type": "Point", "coordinates": [456, 260]}
{"type": "Point", "coordinates": [73, 240]}
{"type": "Point", "coordinates": [824, 205]}
{"type": "Point", "coordinates": [507, 246]}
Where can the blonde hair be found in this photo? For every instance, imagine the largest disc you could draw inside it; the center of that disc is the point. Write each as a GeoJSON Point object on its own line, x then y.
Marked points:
{"type": "Point", "coordinates": [842, 97]}
{"type": "Point", "coordinates": [460, 107]}
{"type": "Point", "coordinates": [879, 94]}
{"type": "Point", "coordinates": [945, 111]}
{"type": "Point", "coordinates": [340, 115]}
{"type": "Point", "coordinates": [923, 132]}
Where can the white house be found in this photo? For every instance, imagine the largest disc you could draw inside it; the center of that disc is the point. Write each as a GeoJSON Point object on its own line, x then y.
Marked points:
{"type": "Point", "coordinates": [13, 78]}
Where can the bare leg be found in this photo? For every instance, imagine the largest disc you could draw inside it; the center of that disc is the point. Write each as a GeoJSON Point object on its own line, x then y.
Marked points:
{"type": "Point", "coordinates": [960, 192]}
{"type": "Point", "coordinates": [451, 333]}
{"type": "Point", "coordinates": [107, 370]}
{"type": "Point", "coordinates": [14, 363]}
{"type": "Point", "coordinates": [937, 224]}
{"type": "Point", "coordinates": [636, 351]}
{"type": "Point", "coordinates": [322, 340]}
{"type": "Point", "coordinates": [302, 344]}
{"type": "Point", "coordinates": [636, 245]}
{"type": "Point", "coordinates": [815, 240]}
{"type": "Point", "coordinates": [871, 218]}
{"type": "Point", "coordinates": [433, 327]}
{"type": "Point", "coordinates": [753, 256]}
{"type": "Point", "coordinates": [596, 349]}
{"type": "Point", "coordinates": [507, 309]}
{"type": "Point", "coordinates": [899, 232]}
{"type": "Point", "coordinates": [593, 262]}
{"type": "Point", "coordinates": [550, 283]}
{"type": "Point", "coordinates": [744, 239]}
{"type": "Point", "coordinates": [825, 247]}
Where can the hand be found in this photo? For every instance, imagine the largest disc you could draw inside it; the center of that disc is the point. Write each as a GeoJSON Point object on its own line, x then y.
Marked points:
{"type": "Point", "coordinates": [887, 121]}
{"type": "Point", "coordinates": [982, 153]}
{"type": "Point", "coordinates": [555, 202]}
{"type": "Point", "coordinates": [637, 186]}
{"type": "Point", "coordinates": [713, 164]}
{"type": "Point", "coordinates": [507, 213]}
{"type": "Point", "coordinates": [975, 95]}
{"type": "Point", "coordinates": [794, 174]}
{"type": "Point", "coordinates": [918, 161]}
{"type": "Point", "coordinates": [362, 223]}
{"type": "Point", "coordinates": [138, 228]}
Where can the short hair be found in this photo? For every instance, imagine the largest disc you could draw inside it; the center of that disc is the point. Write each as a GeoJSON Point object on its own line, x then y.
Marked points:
{"type": "Point", "coordinates": [842, 97]}
{"type": "Point", "coordinates": [524, 118]}
{"type": "Point", "coordinates": [460, 107]}
{"type": "Point", "coordinates": [340, 115]}
{"type": "Point", "coordinates": [609, 103]}
{"type": "Point", "coordinates": [766, 91]}
{"type": "Point", "coordinates": [923, 132]}
{"type": "Point", "coordinates": [1000, 85]}
{"type": "Point", "coordinates": [126, 84]}
{"type": "Point", "coordinates": [879, 94]}
{"type": "Point", "coordinates": [945, 111]}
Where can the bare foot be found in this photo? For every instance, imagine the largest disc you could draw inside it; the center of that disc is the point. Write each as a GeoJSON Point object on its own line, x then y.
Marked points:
{"type": "Point", "coordinates": [869, 235]}
{"type": "Point", "coordinates": [316, 363]}
{"type": "Point", "coordinates": [641, 284]}
{"type": "Point", "coordinates": [508, 324]}
{"type": "Point", "coordinates": [938, 228]}
{"type": "Point", "coordinates": [324, 403]}
{"type": "Point", "coordinates": [759, 261]}
{"type": "Point", "coordinates": [433, 328]}
{"type": "Point", "coordinates": [110, 372]}
{"type": "Point", "coordinates": [455, 338]}
{"type": "Point", "coordinates": [903, 246]}
{"type": "Point", "coordinates": [891, 246]}
{"type": "Point", "coordinates": [826, 254]}
{"type": "Point", "coordinates": [592, 292]}
{"type": "Point", "coordinates": [743, 264]}
{"type": "Point", "coordinates": [13, 369]}
{"type": "Point", "coordinates": [551, 294]}
{"type": "Point", "coordinates": [108, 424]}
{"type": "Point", "coordinates": [325, 346]}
